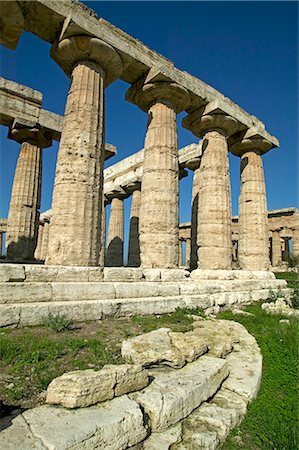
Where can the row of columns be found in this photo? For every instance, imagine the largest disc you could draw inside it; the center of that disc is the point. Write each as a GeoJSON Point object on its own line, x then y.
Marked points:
{"type": "Point", "coordinates": [77, 216]}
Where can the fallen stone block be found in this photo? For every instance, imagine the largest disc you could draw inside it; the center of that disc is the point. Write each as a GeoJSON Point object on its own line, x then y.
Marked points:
{"type": "Point", "coordinates": [189, 344]}
{"type": "Point", "coordinates": [116, 425]}
{"type": "Point", "coordinates": [86, 387]}
{"type": "Point", "coordinates": [153, 349]}
{"type": "Point", "coordinates": [174, 395]}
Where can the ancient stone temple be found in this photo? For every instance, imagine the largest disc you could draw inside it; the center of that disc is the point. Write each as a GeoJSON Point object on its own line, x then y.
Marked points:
{"type": "Point", "coordinates": [65, 253]}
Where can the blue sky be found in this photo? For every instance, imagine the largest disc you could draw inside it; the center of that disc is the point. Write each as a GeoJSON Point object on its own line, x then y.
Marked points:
{"type": "Point", "coordinates": [246, 50]}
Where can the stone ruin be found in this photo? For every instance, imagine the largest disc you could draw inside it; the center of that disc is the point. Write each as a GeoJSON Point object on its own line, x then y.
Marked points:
{"type": "Point", "coordinates": [182, 390]}
{"type": "Point", "coordinates": [80, 276]}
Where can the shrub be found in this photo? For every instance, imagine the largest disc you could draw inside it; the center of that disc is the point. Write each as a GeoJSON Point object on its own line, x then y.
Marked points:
{"type": "Point", "coordinates": [295, 299]}
{"type": "Point", "coordinates": [58, 323]}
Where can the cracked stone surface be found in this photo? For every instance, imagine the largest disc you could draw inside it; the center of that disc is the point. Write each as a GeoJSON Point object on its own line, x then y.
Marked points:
{"type": "Point", "coordinates": [174, 395]}
{"type": "Point", "coordinates": [87, 387]}
{"type": "Point", "coordinates": [115, 425]}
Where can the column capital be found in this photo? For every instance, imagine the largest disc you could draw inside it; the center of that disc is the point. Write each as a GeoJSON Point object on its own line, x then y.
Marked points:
{"type": "Point", "coordinates": [116, 193]}
{"type": "Point", "coordinates": [11, 23]}
{"type": "Point", "coordinates": [193, 164]}
{"type": "Point", "coordinates": [131, 187]}
{"type": "Point", "coordinates": [72, 50]}
{"type": "Point", "coordinates": [250, 140]}
{"type": "Point", "coordinates": [145, 94]}
{"type": "Point", "coordinates": [33, 133]}
{"type": "Point", "coordinates": [202, 121]}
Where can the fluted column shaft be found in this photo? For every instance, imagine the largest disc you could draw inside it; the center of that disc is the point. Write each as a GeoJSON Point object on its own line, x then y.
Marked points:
{"type": "Point", "coordinates": [276, 249]}
{"type": "Point", "coordinates": [45, 242]}
{"type": "Point", "coordinates": [1, 243]}
{"type": "Point", "coordinates": [134, 246]}
{"type": "Point", "coordinates": [23, 212]}
{"type": "Point", "coordinates": [188, 253]}
{"type": "Point", "coordinates": [194, 220]}
{"type": "Point", "coordinates": [115, 248]}
{"type": "Point", "coordinates": [159, 213]}
{"type": "Point", "coordinates": [286, 249]}
{"type": "Point", "coordinates": [37, 253]}
{"type": "Point", "coordinates": [253, 251]}
{"type": "Point", "coordinates": [77, 198]}
{"type": "Point", "coordinates": [180, 253]}
{"type": "Point", "coordinates": [103, 237]}
{"type": "Point", "coordinates": [295, 239]}
{"type": "Point", "coordinates": [214, 209]}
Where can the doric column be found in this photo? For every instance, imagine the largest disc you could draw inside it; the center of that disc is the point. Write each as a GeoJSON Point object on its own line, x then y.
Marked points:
{"type": "Point", "coordinates": [1, 243]}
{"type": "Point", "coordinates": [77, 197]}
{"type": "Point", "coordinates": [115, 244]}
{"type": "Point", "coordinates": [159, 213]}
{"type": "Point", "coordinates": [45, 241]}
{"type": "Point", "coordinates": [188, 253]}
{"type": "Point", "coordinates": [102, 257]}
{"type": "Point", "coordinates": [134, 246]}
{"type": "Point", "coordinates": [37, 253]}
{"type": "Point", "coordinates": [276, 249]}
{"type": "Point", "coordinates": [286, 249]}
{"type": "Point", "coordinates": [295, 239]}
{"type": "Point", "coordinates": [180, 252]}
{"type": "Point", "coordinates": [23, 215]}
{"type": "Point", "coordinates": [194, 165]}
{"type": "Point", "coordinates": [214, 208]}
{"type": "Point", "coordinates": [253, 250]}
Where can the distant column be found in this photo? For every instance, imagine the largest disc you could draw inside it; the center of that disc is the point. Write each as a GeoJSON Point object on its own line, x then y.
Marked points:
{"type": "Point", "coordinates": [134, 245]}
{"type": "Point", "coordinates": [1, 243]}
{"type": "Point", "coordinates": [23, 215]}
{"type": "Point", "coordinates": [188, 253]}
{"type": "Point", "coordinates": [295, 239]}
{"type": "Point", "coordinates": [45, 241]}
{"type": "Point", "coordinates": [276, 249]}
{"type": "Point", "coordinates": [214, 208]}
{"type": "Point", "coordinates": [102, 258]}
{"type": "Point", "coordinates": [194, 165]}
{"type": "Point", "coordinates": [253, 250]}
{"type": "Point", "coordinates": [115, 244]}
{"type": "Point", "coordinates": [37, 253]}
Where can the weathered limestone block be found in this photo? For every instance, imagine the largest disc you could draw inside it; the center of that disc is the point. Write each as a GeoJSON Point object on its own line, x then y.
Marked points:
{"type": "Point", "coordinates": [75, 231]}
{"type": "Point", "coordinates": [174, 395]}
{"type": "Point", "coordinates": [153, 349]}
{"type": "Point", "coordinates": [117, 425]}
{"type": "Point", "coordinates": [12, 272]}
{"type": "Point", "coordinates": [218, 336]}
{"type": "Point", "coordinates": [86, 387]}
{"type": "Point", "coordinates": [43, 273]}
{"type": "Point", "coordinates": [189, 344]}
{"type": "Point", "coordinates": [122, 274]}
{"type": "Point", "coordinates": [174, 275]}
{"type": "Point", "coordinates": [152, 274]}
{"type": "Point", "coordinates": [159, 215]}
{"type": "Point", "coordinates": [115, 243]}
{"type": "Point", "coordinates": [163, 440]}
{"type": "Point", "coordinates": [280, 307]}
{"type": "Point", "coordinates": [19, 436]}
{"type": "Point", "coordinates": [25, 292]}
{"type": "Point", "coordinates": [231, 275]}
{"type": "Point", "coordinates": [82, 291]}
{"type": "Point", "coordinates": [22, 222]}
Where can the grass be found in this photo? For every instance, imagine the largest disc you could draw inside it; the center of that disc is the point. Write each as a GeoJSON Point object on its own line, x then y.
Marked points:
{"type": "Point", "coordinates": [31, 357]}
{"type": "Point", "coordinates": [272, 418]}
{"type": "Point", "coordinates": [292, 278]}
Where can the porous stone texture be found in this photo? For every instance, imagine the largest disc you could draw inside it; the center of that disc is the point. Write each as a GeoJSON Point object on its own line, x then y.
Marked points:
{"type": "Point", "coordinates": [253, 247]}
{"type": "Point", "coordinates": [134, 246]}
{"type": "Point", "coordinates": [164, 439]}
{"type": "Point", "coordinates": [174, 395]}
{"type": "Point", "coordinates": [23, 215]}
{"type": "Point", "coordinates": [87, 387]}
{"type": "Point", "coordinates": [115, 244]}
{"type": "Point", "coordinates": [214, 209]}
{"type": "Point", "coordinates": [153, 349]}
{"type": "Point", "coordinates": [280, 307]}
{"type": "Point", "coordinates": [12, 272]}
{"type": "Point", "coordinates": [116, 425]}
{"type": "Point", "coordinates": [77, 198]}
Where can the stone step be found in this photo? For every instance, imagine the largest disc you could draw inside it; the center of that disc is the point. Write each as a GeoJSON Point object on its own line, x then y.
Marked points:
{"type": "Point", "coordinates": [174, 395]}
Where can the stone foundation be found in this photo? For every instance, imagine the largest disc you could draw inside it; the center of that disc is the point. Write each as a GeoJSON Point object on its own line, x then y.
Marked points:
{"type": "Point", "coordinates": [29, 293]}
